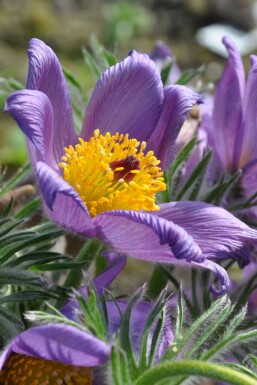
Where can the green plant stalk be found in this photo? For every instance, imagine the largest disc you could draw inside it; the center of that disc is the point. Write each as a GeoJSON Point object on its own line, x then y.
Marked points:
{"type": "Point", "coordinates": [86, 255]}
{"type": "Point", "coordinates": [157, 283]}
{"type": "Point", "coordinates": [194, 368]}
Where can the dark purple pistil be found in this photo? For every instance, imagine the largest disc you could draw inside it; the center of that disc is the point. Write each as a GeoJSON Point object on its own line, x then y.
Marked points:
{"type": "Point", "coordinates": [129, 163]}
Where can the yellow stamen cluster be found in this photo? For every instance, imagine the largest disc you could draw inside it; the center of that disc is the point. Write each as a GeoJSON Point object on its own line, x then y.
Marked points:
{"type": "Point", "coordinates": [94, 169]}
{"type": "Point", "coordinates": [25, 370]}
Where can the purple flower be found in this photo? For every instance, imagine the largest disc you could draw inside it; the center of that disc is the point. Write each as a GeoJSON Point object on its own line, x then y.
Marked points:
{"type": "Point", "coordinates": [56, 352]}
{"type": "Point", "coordinates": [230, 121]}
{"type": "Point", "coordinates": [50, 353]}
{"type": "Point", "coordinates": [162, 55]}
{"type": "Point", "coordinates": [128, 99]}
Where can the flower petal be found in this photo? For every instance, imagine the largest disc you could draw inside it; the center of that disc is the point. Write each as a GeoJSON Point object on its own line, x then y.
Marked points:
{"type": "Point", "coordinates": [46, 75]}
{"type": "Point", "coordinates": [33, 112]}
{"type": "Point", "coordinates": [162, 55]}
{"type": "Point", "coordinates": [146, 236]}
{"type": "Point", "coordinates": [219, 271]}
{"type": "Point", "coordinates": [178, 101]}
{"type": "Point", "coordinates": [62, 204]}
{"type": "Point", "coordinates": [115, 264]}
{"type": "Point", "coordinates": [217, 232]}
{"type": "Point", "coordinates": [227, 113]}
{"type": "Point", "coordinates": [127, 99]}
{"type": "Point", "coordinates": [249, 178]}
{"type": "Point", "coordinates": [61, 343]}
{"type": "Point", "coordinates": [248, 138]}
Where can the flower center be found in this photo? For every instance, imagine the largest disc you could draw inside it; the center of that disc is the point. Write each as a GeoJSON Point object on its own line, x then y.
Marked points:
{"type": "Point", "coordinates": [26, 370]}
{"type": "Point", "coordinates": [112, 172]}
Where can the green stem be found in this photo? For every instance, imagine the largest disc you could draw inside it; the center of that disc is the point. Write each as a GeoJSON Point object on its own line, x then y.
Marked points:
{"type": "Point", "coordinates": [194, 368]}
{"type": "Point", "coordinates": [86, 255]}
{"type": "Point", "coordinates": [157, 282]}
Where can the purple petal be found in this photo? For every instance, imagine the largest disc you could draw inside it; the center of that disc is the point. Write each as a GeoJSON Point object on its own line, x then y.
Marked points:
{"type": "Point", "coordinates": [160, 52]}
{"type": "Point", "coordinates": [217, 232]}
{"type": "Point", "coordinates": [33, 112]}
{"type": "Point", "coordinates": [249, 132]}
{"type": "Point", "coordinates": [227, 113]}
{"type": "Point", "coordinates": [249, 178]}
{"type": "Point", "coordinates": [45, 74]}
{"type": "Point", "coordinates": [127, 99]}
{"type": "Point", "coordinates": [146, 236]}
{"type": "Point", "coordinates": [162, 55]}
{"type": "Point", "coordinates": [115, 264]}
{"type": "Point", "coordinates": [178, 101]}
{"type": "Point", "coordinates": [61, 343]}
{"type": "Point", "coordinates": [219, 271]}
{"type": "Point", "coordinates": [62, 204]}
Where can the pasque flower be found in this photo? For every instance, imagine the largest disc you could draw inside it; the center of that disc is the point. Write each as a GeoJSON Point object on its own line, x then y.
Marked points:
{"type": "Point", "coordinates": [229, 120]}
{"type": "Point", "coordinates": [104, 183]}
{"type": "Point", "coordinates": [162, 56]}
{"type": "Point", "coordinates": [64, 354]}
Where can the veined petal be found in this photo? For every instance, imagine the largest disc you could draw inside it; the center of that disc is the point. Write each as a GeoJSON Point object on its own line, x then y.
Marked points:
{"type": "Point", "coordinates": [146, 236]}
{"type": "Point", "coordinates": [61, 343]}
{"type": "Point", "coordinates": [217, 232]}
{"type": "Point", "coordinates": [249, 137]}
{"type": "Point", "coordinates": [63, 205]}
{"type": "Point", "coordinates": [227, 113]}
{"type": "Point", "coordinates": [33, 112]}
{"type": "Point", "coordinates": [127, 99]}
{"type": "Point", "coordinates": [45, 74]}
{"type": "Point", "coordinates": [178, 101]}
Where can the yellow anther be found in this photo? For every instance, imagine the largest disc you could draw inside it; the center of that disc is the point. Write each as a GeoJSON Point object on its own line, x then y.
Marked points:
{"type": "Point", "coordinates": [111, 172]}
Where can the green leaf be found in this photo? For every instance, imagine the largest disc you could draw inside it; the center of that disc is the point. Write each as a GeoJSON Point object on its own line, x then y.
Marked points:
{"type": "Point", "coordinates": [71, 78]}
{"type": "Point", "coordinates": [17, 178]}
{"type": "Point", "coordinates": [103, 57]}
{"type": "Point", "coordinates": [177, 163]}
{"type": "Point", "coordinates": [120, 366]}
{"type": "Point", "coordinates": [165, 72]}
{"type": "Point", "coordinates": [57, 266]}
{"type": "Point", "coordinates": [196, 176]}
{"type": "Point", "coordinates": [156, 337]}
{"type": "Point", "coordinates": [86, 255]}
{"type": "Point", "coordinates": [9, 226]}
{"type": "Point", "coordinates": [9, 250]}
{"type": "Point", "coordinates": [17, 276]}
{"type": "Point", "coordinates": [190, 74]}
{"type": "Point", "coordinates": [7, 209]}
{"type": "Point", "coordinates": [168, 371]}
{"type": "Point", "coordinates": [91, 63]}
{"type": "Point", "coordinates": [186, 341]}
{"type": "Point", "coordinates": [29, 209]}
{"type": "Point", "coordinates": [216, 193]}
{"type": "Point", "coordinates": [31, 295]}
{"type": "Point", "coordinates": [152, 317]}
{"type": "Point", "coordinates": [125, 328]}
{"type": "Point", "coordinates": [37, 258]}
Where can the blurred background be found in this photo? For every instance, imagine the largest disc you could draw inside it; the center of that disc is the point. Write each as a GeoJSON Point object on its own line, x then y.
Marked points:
{"type": "Point", "coordinates": [66, 25]}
